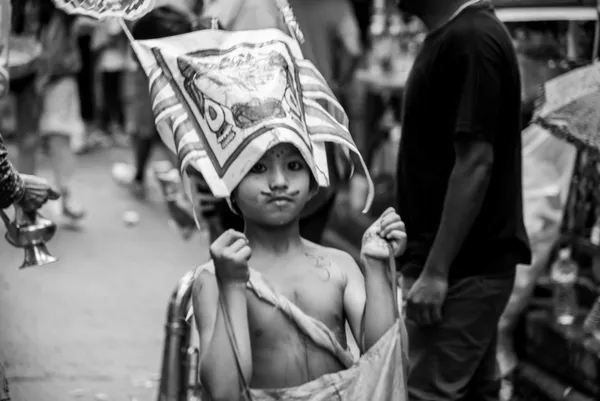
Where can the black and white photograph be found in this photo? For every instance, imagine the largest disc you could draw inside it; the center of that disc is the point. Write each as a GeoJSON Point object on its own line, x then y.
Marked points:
{"type": "Point", "coordinates": [300, 200]}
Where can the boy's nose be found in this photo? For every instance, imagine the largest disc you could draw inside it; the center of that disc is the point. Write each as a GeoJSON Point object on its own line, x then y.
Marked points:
{"type": "Point", "coordinates": [278, 179]}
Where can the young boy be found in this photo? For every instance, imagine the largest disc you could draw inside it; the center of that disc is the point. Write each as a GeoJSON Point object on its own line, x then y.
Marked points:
{"type": "Point", "coordinates": [252, 116]}
{"type": "Point", "coordinates": [286, 300]}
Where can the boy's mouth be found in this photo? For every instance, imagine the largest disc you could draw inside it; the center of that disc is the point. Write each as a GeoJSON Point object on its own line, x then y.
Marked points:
{"type": "Point", "coordinates": [280, 199]}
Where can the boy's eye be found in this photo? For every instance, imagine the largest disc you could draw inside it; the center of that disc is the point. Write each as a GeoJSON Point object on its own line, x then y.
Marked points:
{"type": "Point", "coordinates": [295, 165]}
{"type": "Point", "coordinates": [258, 168]}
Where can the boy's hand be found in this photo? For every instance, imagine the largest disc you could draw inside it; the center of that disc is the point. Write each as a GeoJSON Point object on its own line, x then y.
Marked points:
{"type": "Point", "coordinates": [389, 228]}
{"type": "Point", "coordinates": [230, 253]}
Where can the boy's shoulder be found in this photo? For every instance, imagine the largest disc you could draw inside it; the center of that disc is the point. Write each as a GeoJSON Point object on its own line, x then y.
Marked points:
{"type": "Point", "coordinates": [208, 266]}
{"type": "Point", "coordinates": [204, 275]}
{"type": "Point", "coordinates": [336, 256]}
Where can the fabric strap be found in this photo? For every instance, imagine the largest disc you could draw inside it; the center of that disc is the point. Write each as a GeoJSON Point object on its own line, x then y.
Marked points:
{"type": "Point", "coordinates": [245, 388]}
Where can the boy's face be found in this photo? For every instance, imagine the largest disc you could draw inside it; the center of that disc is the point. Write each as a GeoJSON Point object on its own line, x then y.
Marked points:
{"type": "Point", "coordinates": [276, 189]}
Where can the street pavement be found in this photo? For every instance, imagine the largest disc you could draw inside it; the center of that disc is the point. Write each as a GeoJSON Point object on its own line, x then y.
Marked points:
{"type": "Point", "coordinates": [90, 327]}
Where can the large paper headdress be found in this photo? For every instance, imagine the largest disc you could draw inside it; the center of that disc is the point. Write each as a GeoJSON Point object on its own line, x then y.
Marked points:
{"type": "Point", "coordinates": [222, 99]}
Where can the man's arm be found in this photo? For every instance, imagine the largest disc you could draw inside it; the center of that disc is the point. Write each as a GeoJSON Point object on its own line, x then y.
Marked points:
{"type": "Point", "coordinates": [480, 94]}
{"type": "Point", "coordinates": [467, 189]}
{"type": "Point", "coordinates": [218, 371]}
{"type": "Point", "coordinates": [368, 300]}
{"type": "Point", "coordinates": [11, 184]}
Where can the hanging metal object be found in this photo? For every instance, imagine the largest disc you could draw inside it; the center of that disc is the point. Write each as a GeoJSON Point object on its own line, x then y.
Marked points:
{"type": "Point", "coordinates": [99, 9]}
{"type": "Point", "coordinates": [30, 231]}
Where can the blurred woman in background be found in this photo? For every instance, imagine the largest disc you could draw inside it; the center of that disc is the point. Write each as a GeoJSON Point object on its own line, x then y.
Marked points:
{"type": "Point", "coordinates": [60, 117]}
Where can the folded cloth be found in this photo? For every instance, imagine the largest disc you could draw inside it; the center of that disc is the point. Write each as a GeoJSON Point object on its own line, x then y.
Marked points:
{"type": "Point", "coordinates": [378, 375]}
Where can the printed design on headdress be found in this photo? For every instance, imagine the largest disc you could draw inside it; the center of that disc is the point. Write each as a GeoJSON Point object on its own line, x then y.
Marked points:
{"type": "Point", "coordinates": [240, 93]}
{"type": "Point", "coordinates": [226, 97]}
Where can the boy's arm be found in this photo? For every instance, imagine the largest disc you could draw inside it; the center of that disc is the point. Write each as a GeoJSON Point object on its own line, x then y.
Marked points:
{"type": "Point", "coordinates": [380, 311]}
{"type": "Point", "coordinates": [218, 370]}
{"type": "Point", "coordinates": [368, 301]}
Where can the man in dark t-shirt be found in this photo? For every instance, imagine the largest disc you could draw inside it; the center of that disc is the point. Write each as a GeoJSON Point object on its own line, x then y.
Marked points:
{"type": "Point", "coordinates": [460, 195]}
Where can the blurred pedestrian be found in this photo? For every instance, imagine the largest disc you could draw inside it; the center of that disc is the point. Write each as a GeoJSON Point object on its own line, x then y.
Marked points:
{"type": "Point", "coordinates": [460, 194]}
{"type": "Point", "coordinates": [26, 24]}
{"type": "Point", "coordinates": [173, 19]}
{"type": "Point", "coordinates": [85, 79]}
{"type": "Point", "coordinates": [332, 39]}
{"type": "Point", "coordinates": [26, 191]}
{"type": "Point", "coordinates": [111, 52]}
{"type": "Point", "coordinates": [60, 119]}
{"type": "Point", "coordinates": [333, 43]}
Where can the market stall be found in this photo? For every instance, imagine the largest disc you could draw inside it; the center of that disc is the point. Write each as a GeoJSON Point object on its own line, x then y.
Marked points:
{"type": "Point", "coordinates": [570, 353]}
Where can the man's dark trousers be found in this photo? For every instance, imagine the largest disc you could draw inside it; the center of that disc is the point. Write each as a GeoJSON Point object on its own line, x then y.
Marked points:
{"type": "Point", "coordinates": [456, 359]}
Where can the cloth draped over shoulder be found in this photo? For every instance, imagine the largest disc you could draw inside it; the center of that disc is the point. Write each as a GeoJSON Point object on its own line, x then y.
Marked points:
{"type": "Point", "coordinates": [378, 375]}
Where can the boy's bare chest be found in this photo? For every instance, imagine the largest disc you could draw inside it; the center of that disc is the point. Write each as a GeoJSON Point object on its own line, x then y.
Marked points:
{"type": "Point", "coordinates": [315, 290]}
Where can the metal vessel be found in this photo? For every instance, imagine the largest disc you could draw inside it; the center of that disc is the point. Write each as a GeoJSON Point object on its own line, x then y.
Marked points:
{"type": "Point", "coordinates": [30, 231]}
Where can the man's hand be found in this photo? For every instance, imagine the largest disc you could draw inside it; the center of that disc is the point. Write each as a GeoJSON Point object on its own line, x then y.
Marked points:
{"type": "Point", "coordinates": [230, 253]}
{"type": "Point", "coordinates": [388, 228]}
{"type": "Point", "coordinates": [37, 191]}
{"type": "Point", "coordinates": [426, 298]}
